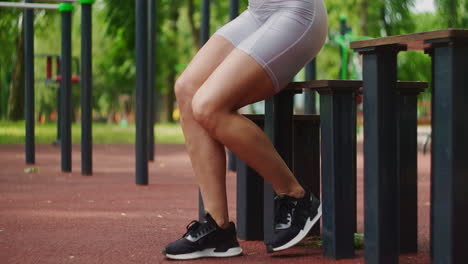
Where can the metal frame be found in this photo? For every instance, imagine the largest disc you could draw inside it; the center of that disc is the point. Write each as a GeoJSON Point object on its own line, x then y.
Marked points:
{"type": "Point", "coordinates": [28, 5]}
{"type": "Point", "coordinates": [141, 146]}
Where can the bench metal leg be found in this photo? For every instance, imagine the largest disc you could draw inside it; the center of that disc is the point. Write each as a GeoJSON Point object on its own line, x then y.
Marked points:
{"type": "Point", "coordinates": [306, 156]}
{"type": "Point", "coordinates": [338, 131]}
{"type": "Point", "coordinates": [380, 152]}
{"type": "Point", "coordinates": [449, 154]}
{"type": "Point", "coordinates": [407, 171]}
{"type": "Point", "coordinates": [278, 127]}
{"type": "Point", "coordinates": [249, 203]}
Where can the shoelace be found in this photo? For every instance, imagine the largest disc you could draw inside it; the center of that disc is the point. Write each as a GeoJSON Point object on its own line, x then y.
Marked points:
{"type": "Point", "coordinates": [196, 228]}
{"type": "Point", "coordinates": [284, 208]}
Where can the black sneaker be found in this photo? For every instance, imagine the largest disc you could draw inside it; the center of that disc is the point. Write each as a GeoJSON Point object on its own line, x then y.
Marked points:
{"type": "Point", "coordinates": [293, 220]}
{"type": "Point", "coordinates": [205, 239]}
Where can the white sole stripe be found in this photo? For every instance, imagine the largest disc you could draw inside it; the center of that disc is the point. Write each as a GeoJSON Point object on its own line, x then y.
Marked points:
{"type": "Point", "coordinates": [209, 252]}
{"type": "Point", "coordinates": [303, 233]}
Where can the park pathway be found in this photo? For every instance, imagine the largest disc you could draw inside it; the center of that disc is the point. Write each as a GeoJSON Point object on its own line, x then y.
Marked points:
{"type": "Point", "coordinates": [53, 217]}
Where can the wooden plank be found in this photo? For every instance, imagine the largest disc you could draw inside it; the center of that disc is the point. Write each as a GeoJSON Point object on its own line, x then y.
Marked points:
{"type": "Point", "coordinates": [349, 84]}
{"type": "Point", "coordinates": [415, 41]}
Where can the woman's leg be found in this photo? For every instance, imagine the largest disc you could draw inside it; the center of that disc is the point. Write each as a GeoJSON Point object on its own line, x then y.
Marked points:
{"type": "Point", "coordinates": [206, 154]}
{"type": "Point", "coordinates": [239, 80]}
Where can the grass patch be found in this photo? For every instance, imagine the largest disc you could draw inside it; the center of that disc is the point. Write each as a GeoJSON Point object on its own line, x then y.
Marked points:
{"type": "Point", "coordinates": [14, 133]}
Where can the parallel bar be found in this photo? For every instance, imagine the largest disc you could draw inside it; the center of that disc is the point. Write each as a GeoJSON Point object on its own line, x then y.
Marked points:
{"type": "Point", "coordinates": [29, 85]}
{"type": "Point", "coordinates": [65, 85]}
{"type": "Point", "coordinates": [309, 95]}
{"type": "Point", "coordinates": [450, 166]}
{"type": "Point", "coordinates": [28, 6]}
{"type": "Point", "coordinates": [151, 75]}
{"type": "Point", "coordinates": [338, 130]}
{"type": "Point", "coordinates": [86, 90]}
{"type": "Point", "coordinates": [278, 127]}
{"type": "Point", "coordinates": [55, 1]}
{"type": "Point", "coordinates": [141, 146]}
{"type": "Point", "coordinates": [380, 167]}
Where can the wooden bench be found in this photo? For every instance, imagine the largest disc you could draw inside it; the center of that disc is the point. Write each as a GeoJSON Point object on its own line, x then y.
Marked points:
{"type": "Point", "coordinates": [296, 139]}
{"type": "Point", "coordinates": [449, 181]}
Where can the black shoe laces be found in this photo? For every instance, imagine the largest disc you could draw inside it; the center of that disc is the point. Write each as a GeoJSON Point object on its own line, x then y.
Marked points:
{"type": "Point", "coordinates": [196, 229]}
{"type": "Point", "coordinates": [284, 207]}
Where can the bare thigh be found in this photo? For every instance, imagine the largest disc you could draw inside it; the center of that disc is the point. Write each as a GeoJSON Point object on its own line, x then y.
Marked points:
{"type": "Point", "coordinates": [215, 50]}
{"type": "Point", "coordinates": [238, 81]}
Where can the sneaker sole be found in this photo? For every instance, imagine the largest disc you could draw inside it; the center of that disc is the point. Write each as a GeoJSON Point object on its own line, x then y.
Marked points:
{"type": "Point", "coordinates": [209, 252]}
{"type": "Point", "coordinates": [303, 233]}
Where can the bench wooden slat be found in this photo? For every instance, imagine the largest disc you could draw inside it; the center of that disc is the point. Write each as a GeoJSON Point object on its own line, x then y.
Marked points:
{"type": "Point", "coordinates": [349, 84]}
{"type": "Point", "coordinates": [415, 41]}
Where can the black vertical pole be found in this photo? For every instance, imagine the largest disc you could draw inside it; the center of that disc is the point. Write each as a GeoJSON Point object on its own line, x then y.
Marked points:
{"type": "Point", "coordinates": [309, 94]}
{"type": "Point", "coordinates": [29, 83]}
{"type": "Point", "coordinates": [151, 75]}
{"type": "Point", "coordinates": [407, 160]}
{"type": "Point", "coordinates": [249, 206]}
{"type": "Point", "coordinates": [279, 128]}
{"type": "Point", "coordinates": [65, 126]}
{"type": "Point", "coordinates": [233, 13]}
{"type": "Point", "coordinates": [338, 129]}
{"type": "Point", "coordinates": [449, 154]}
{"type": "Point", "coordinates": [233, 9]}
{"type": "Point", "coordinates": [205, 35]}
{"type": "Point", "coordinates": [86, 88]}
{"type": "Point", "coordinates": [141, 92]}
{"type": "Point", "coordinates": [381, 189]}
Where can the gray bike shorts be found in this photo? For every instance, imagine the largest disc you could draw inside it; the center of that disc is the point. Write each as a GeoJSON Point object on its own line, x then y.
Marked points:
{"type": "Point", "coordinates": [281, 35]}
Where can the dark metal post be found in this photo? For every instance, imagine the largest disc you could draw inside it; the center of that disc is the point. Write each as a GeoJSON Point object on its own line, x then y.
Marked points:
{"type": "Point", "coordinates": [306, 156]}
{"type": "Point", "coordinates": [29, 84]}
{"type": "Point", "coordinates": [449, 138]}
{"type": "Point", "coordinates": [233, 13]}
{"type": "Point", "coordinates": [86, 88]}
{"type": "Point", "coordinates": [309, 95]}
{"type": "Point", "coordinates": [278, 127]}
{"type": "Point", "coordinates": [205, 35]}
{"type": "Point", "coordinates": [381, 190]}
{"type": "Point", "coordinates": [338, 129]}
{"type": "Point", "coordinates": [407, 168]}
{"type": "Point", "coordinates": [66, 110]}
{"type": "Point", "coordinates": [151, 74]}
{"type": "Point", "coordinates": [249, 213]}
{"type": "Point", "coordinates": [141, 147]}
{"type": "Point", "coordinates": [233, 9]}
{"type": "Point", "coordinates": [205, 23]}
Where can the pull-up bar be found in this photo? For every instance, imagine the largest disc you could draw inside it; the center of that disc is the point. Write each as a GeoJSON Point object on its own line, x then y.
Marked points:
{"type": "Point", "coordinates": [28, 5]}
{"type": "Point", "coordinates": [58, 1]}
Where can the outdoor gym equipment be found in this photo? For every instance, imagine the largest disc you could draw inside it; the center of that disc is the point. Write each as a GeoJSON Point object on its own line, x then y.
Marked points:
{"type": "Point", "coordinates": [65, 7]}
{"type": "Point", "coordinates": [145, 20]}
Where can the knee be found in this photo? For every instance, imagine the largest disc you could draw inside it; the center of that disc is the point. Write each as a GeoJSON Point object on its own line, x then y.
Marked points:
{"type": "Point", "coordinates": [205, 113]}
{"type": "Point", "coordinates": [184, 90]}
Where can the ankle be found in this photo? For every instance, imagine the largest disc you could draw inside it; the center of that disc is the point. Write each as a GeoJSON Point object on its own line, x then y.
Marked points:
{"type": "Point", "coordinates": [221, 221]}
{"type": "Point", "coordinates": [295, 193]}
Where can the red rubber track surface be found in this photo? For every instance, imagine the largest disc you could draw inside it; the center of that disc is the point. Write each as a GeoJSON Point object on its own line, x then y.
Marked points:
{"type": "Point", "coordinates": [54, 217]}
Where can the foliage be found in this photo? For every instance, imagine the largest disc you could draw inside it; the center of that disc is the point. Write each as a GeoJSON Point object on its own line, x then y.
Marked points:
{"type": "Point", "coordinates": [177, 31]}
{"type": "Point", "coordinates": [456, 12]}
{"type": "Point", "coordinates": [13, 133]}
